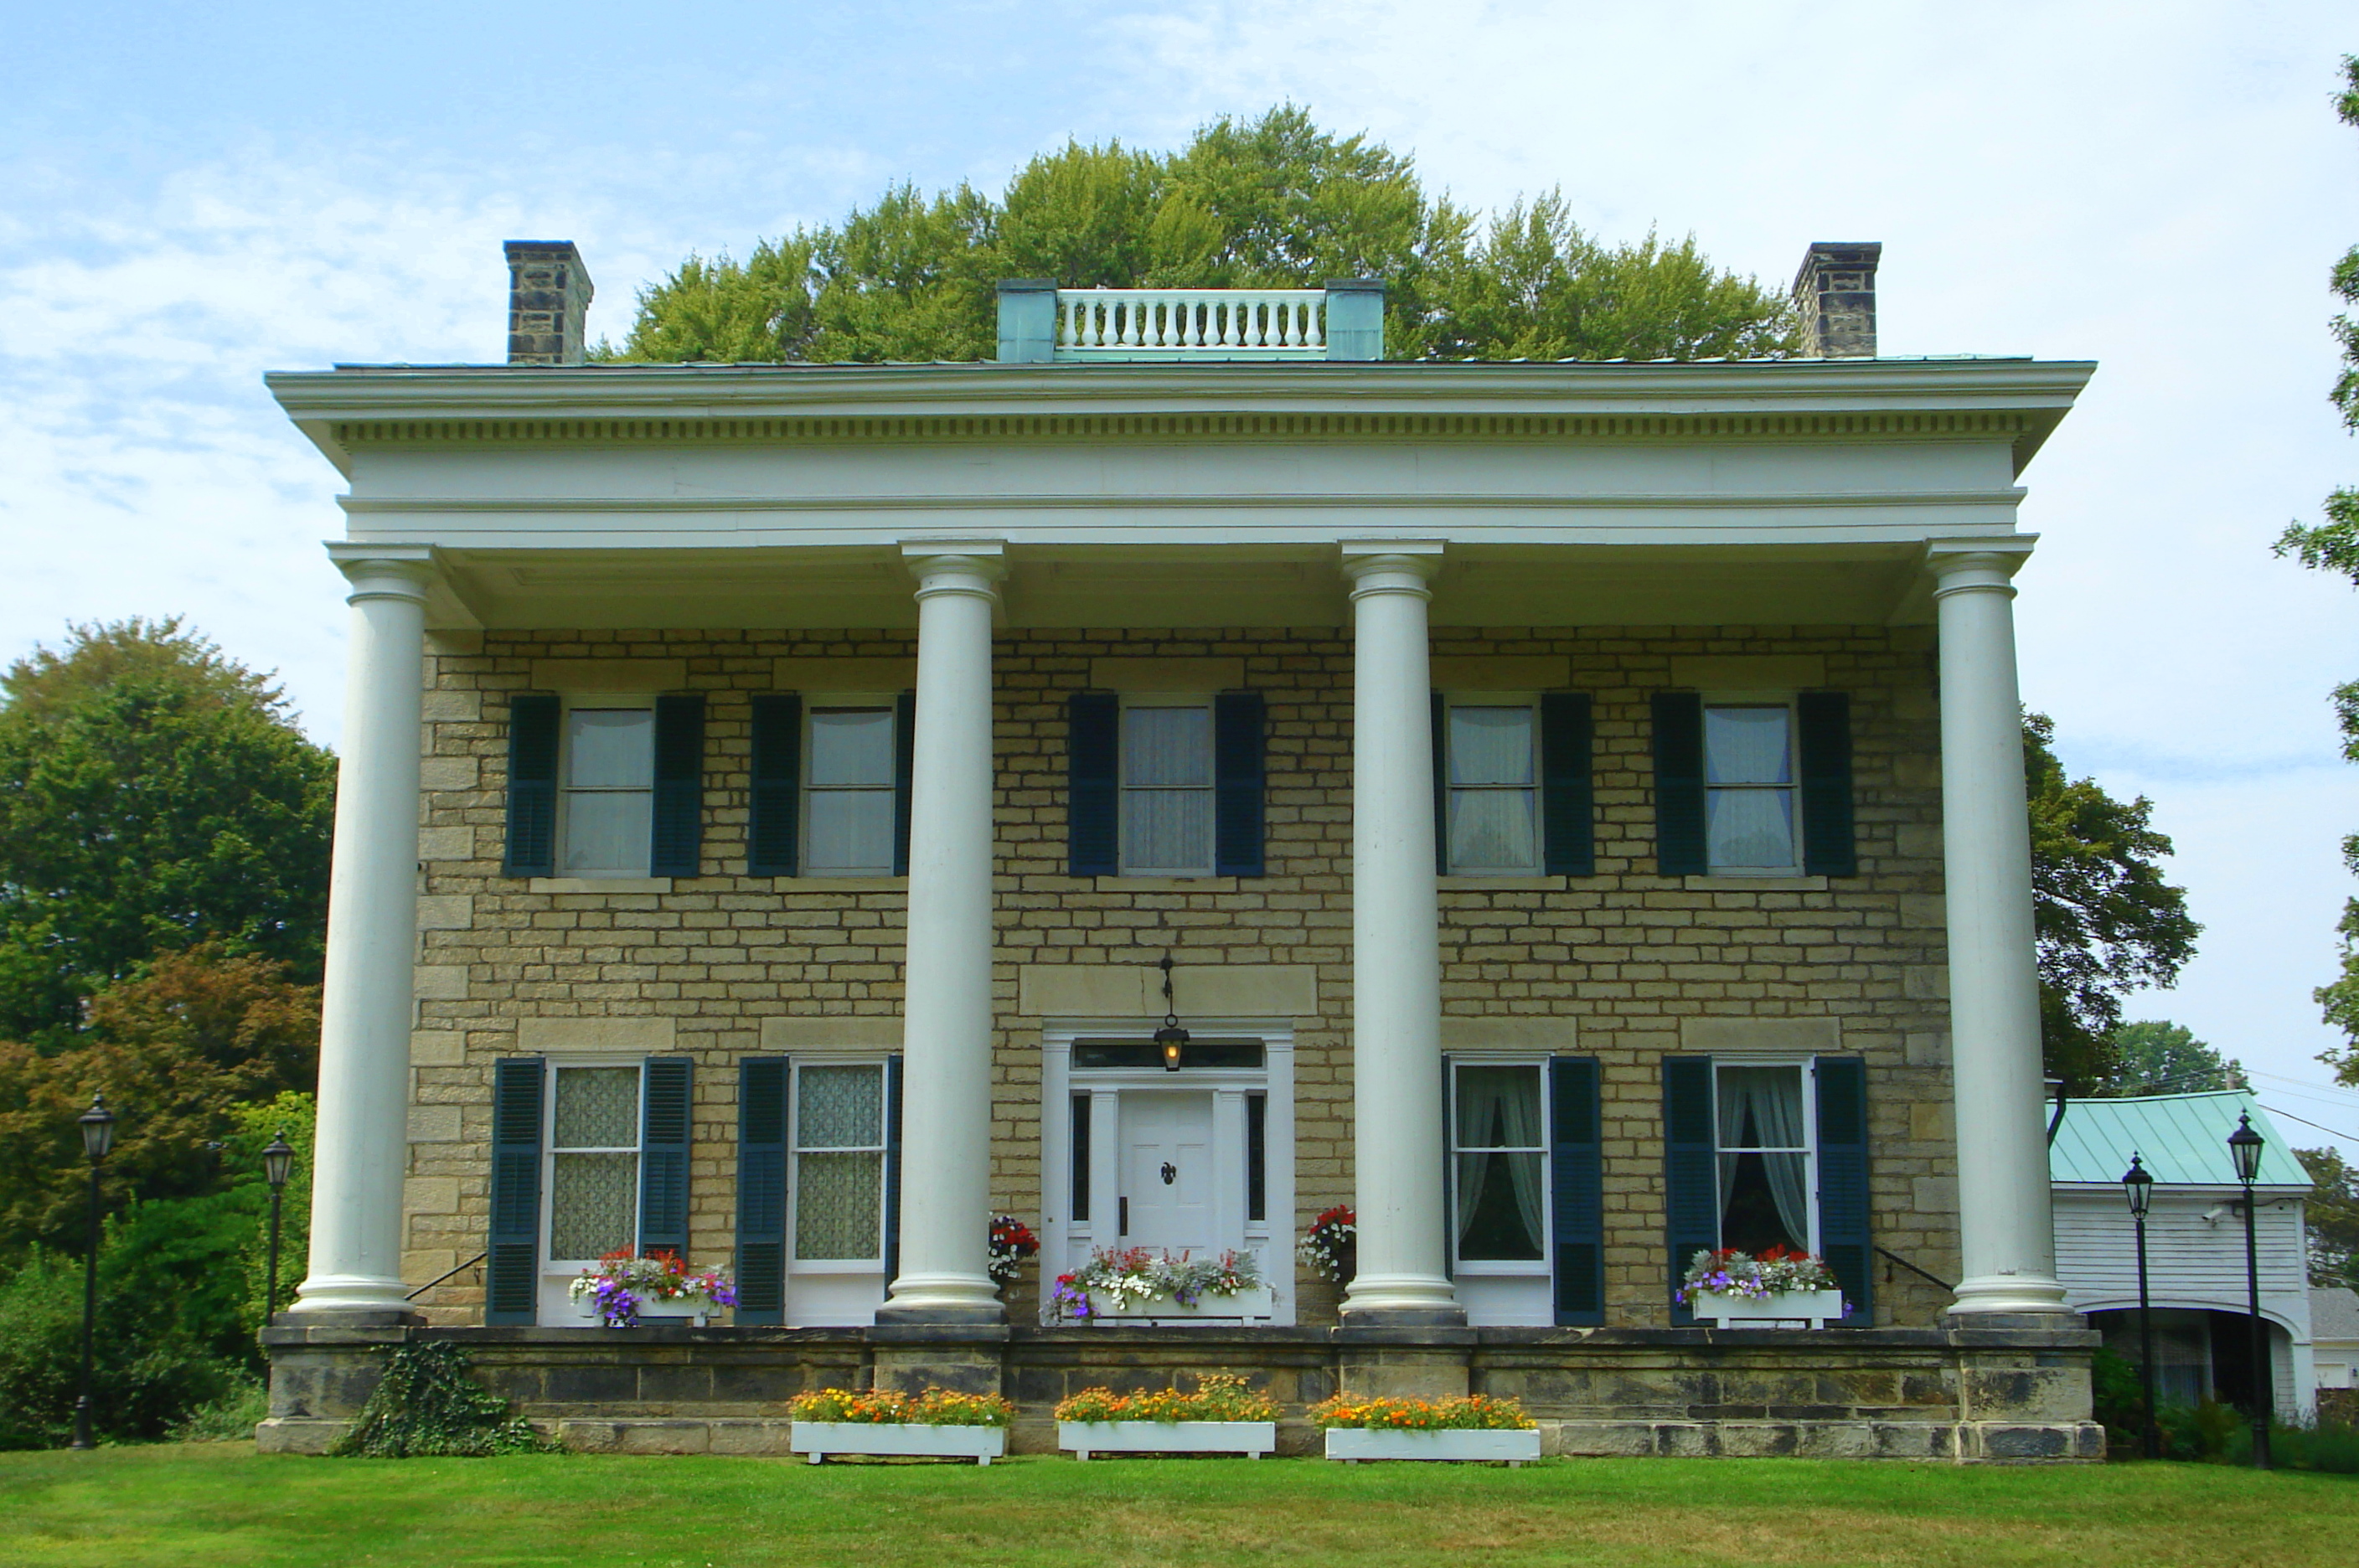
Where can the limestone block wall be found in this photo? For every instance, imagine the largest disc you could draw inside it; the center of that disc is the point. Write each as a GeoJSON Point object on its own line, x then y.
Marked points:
{"type": "Point", "coordinates": [1641, 965]}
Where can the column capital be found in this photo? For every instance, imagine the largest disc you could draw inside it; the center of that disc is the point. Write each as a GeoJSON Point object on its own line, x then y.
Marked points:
{"type": "Point", "coordinates": [1391, 566]}
{"type": "Point", "coordinates": [384, 571]}
{"type": "Point", "coordinates": [1967, 565]}
{"type": "Point", "coordinates": [955, 566]}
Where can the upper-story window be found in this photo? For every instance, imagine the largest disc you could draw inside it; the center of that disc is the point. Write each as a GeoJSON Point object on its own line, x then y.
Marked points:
{"type": "Point", "coordinates": [1167, 788]}
{"type": "Point", "coordinates": [1751, 805]}
{"type": "Point", "coordinates": [607, 778]}
{"type": "Point", "coordinates": [1493, 810]}
{"type": "Point", "coordinates": [848, 792]}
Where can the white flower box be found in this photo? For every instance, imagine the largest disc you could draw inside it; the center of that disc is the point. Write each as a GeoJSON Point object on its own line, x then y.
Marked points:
{"type": "Point", "coordinates": [1814, 1308]}
{"type": "Point", "coordinates": [694, 1310]}
{"type": "Point", "coordinates": [1252, 1439]}
{"type": "Point", "coordinates": [818, 1438]}
{"type": "Point", "coordinates": [1253, 1304]}
{"type": "Point", "coordinates": [1510, 1445]}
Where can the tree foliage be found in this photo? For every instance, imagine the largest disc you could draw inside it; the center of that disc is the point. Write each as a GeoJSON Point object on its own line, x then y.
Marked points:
{"type": "Point", "coordinates": [154, 795]}
{"type": "Point", "coordinates": [2158, 1057]}
{"type": "Point", "coordinates": [2332, 1210]}
{"type": "Point", "coordinates": [2333, 545]}
{"type": "Point", "coordinates": [2106, 922]}
{"type": "Point", "coordinates": [1271, 202]}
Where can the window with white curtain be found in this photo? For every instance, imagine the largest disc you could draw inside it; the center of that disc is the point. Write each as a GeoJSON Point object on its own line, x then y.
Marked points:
{"type": "Point", "coordinates": [848, 792]}
{"type": "Point", "coordinates": [1493, 818]}
{"type": "Point", "coordinates": [594, 1162]}
{"type": "Point", "coordinates": [1167, 788]}
{"type": "Point", "coordinates": [609, 773]}
{"type": "Point", "coordinates": [1764, 1131]}
{"type": "Point", "coordinates": [839, 1150]}
{"type": "Point", "coordinates": [1498, 1142]}
{"type": "Point", "coordinates": [1749, 793]}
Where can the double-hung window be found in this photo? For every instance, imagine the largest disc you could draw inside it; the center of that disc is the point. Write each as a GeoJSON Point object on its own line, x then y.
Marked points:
{"type": "Point", "coordinates": [848, 792]}
{"type": "Point", "coordinates": [1752, 822]}
{"type": "Point", "coordinates": [1499, 1176]}
{"type": "Point", "coordinates": [1167, 784]}
{"type": "Point", "coordinates": [1493, 826]}
{"type": "Point", "coordinates": [607, 775]}
{"type": "Point", "coordinates": [593, 1120]}
{"type": "Point", "coordinates": [838, 1147]}
{"type": "Point", "coordinates": [1764, 1141]}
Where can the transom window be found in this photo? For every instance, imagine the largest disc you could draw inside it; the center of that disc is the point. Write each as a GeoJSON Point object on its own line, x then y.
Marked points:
{"type": "Point", "coordinates": [1494, 808]}
{"type": "Point", "coordinates": [593, 1163]}
{"type": "Point", "coordinates": [1499, 1176]}
{"type": "Point", "coordinates": [839, 1147]}
{"type": "Point", "coordinates": [1749, 793]}
{"type": "Point", "coordinates": [848, 792]}
{"type": "Point", "coordinates": [609, 772]}
{"type": "Point", "coordinates": [1763, 1131]}
{"type": "Point", "coordinates": [1167, 788]}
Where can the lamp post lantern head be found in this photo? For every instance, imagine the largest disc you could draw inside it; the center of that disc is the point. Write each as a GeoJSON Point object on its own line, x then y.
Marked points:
{"type": "Point", "coordinates": [277, 1160]}
{"type": "Point", "coordinates": [2246, 1145]}
{"type": "Point", "coordinates": [97, 1129]}
{"type": "Point", "coordinates": [1172, 1040]}
{"type": "Point", "coordinates": [2137, 1186]}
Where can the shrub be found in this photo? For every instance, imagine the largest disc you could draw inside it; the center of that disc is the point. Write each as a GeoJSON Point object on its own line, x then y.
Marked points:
{"type": "Point", "coordinates": [147, 1372]}
{"type": "Point", "coordinates": [2331, 1446]}
{"type": "Point", "coordinates": [428, 1405]}
{"type": "Point", "coordinates": [1217, 1398]}
{"type": "Point", "coordinates": [230, 1419]}
{"type": "Point", "coordinates": [883, 1407]}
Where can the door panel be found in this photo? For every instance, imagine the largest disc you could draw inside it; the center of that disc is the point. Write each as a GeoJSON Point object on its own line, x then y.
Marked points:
{"type": "Point", "coordinates": [1168, 1171]}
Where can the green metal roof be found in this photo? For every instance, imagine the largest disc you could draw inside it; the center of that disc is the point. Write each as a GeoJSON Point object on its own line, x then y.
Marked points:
{"type": "Point", "coordinates": [2183, 1139]}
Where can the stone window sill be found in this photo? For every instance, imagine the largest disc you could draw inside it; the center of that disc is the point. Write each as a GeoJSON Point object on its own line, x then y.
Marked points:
{"type": "Point", "coordinates": [840, 884]}
{"type": "Point", "coordinates": [1757, 884]}
{"type": "Point", "coordinates": [600, 885]}
{"type": "Point", "coordinates": [1167, 883]}
{"type": "Point", "coordinates": [1500, 884]}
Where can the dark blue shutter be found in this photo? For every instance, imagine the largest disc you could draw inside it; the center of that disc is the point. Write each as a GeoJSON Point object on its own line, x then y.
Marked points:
{"type": "Point", "coordinates": [1093, 807]}
{"type": "Point", "coordinates": [762, 1190]}
{"type": "Point", "coordinates": [532, 785]}
{"type": "Point", "coordinates": [1828, 845]}
{"type": "Point", "coordinates": [773, 808]}
{"type": "Point", "coordinates": [1577, 1191]}
{"type": "Point", "coordinates": [1678, 785]}
{"type": "Point", "coordinates": [1844, 1237]}
{"type": "Point", "coordinates": [1568, 804]}
{"type": "Point", "coordinates": [676, 838]}
{"type": "Point", "coordinates": [1237, 784]}
{"type": "Point", "coordinates": [893, 1168]}
{"type": "Point", "coordinates": [663, 1157]}
{"type": "Point", "coordinates": [512, 1267]}
{"type": "Point", "coordinates": [905, 767]}
{"type": "Point", "coordinates": [1690, 1174]}
{"type": "Point", "coordinates": [1441, 721]}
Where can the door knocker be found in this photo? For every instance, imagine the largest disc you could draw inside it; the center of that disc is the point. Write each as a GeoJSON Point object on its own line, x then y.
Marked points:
{"type": "Point", "coordinates": [1169, 1170]}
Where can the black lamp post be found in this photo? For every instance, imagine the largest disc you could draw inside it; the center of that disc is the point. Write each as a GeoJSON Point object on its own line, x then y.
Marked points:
{"type": "Point", "coordinates": [97, 1142]}
{"type": "Point", "coordinates": [2244, 1144]}
{"type": "Point", "coordinates": [1170, 1038]}
{"type": "Point", "coordinates": [276, 1161]}
{"type": "Point", "coordinates": [2137, 1186]}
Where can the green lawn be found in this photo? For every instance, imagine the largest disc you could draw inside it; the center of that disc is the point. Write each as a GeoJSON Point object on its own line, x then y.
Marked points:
{"type": "Point", "coordinates": [162, 1507]}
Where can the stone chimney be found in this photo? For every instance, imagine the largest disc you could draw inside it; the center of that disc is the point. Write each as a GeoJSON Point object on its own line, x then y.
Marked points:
{"type": "Point", "coordinates": [1835, 292]}
{"type": "Point", "coordinates": [549, 296]}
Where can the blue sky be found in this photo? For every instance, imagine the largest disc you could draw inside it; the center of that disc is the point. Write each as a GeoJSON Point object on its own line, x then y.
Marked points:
{"type": "Point", "coordinates": [189, 198]}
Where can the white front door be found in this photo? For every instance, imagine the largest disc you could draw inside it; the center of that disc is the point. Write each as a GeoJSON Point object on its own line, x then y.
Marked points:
{"type": "Point", "coordinates": [1167, 1176]}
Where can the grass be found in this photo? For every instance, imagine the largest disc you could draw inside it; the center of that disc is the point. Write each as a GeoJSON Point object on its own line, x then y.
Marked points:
{"type": "Point", "coordinates": [167, 1506]}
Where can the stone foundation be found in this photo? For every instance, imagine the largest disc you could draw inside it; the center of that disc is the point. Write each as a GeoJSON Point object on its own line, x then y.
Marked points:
{"type": "Point", "coordinates": [1966, 1395]}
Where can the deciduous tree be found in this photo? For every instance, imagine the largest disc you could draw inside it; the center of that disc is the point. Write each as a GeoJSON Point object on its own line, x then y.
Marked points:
{"type": "Point", "coordinates": [2158, 1057]}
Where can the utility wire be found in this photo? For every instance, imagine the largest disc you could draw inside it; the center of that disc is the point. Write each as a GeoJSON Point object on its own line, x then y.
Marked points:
{"type": "Point", "coordinates": [2305, 1121]}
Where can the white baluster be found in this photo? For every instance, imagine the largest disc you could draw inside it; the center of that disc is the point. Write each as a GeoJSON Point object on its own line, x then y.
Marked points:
{"type": "Point", "coordinates": [1316, 316]}
{"type": "Point", "coordinates": [1065, 338]}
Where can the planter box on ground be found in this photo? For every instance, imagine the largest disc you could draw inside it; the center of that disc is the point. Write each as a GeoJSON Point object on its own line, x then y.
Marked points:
{"type": "Point", "coordinates": [1509, 1446]}
{"type": "Point", "coordinates": [1252, 1439]}
{"type": "Point", "coordinates": [1245, 1306]}
{"type": "Point", "coordinates": [898, 1439]}
{"type": "Point", "coordinates": [1815, 1308]}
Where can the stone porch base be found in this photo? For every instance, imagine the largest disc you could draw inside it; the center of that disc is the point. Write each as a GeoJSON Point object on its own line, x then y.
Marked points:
{"type": "Point", "coordinates": [1960, 1395]}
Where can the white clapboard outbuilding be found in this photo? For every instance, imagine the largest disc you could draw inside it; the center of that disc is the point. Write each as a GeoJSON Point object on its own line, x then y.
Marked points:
{"type": "Point", "coordinates": [2195, 1242]}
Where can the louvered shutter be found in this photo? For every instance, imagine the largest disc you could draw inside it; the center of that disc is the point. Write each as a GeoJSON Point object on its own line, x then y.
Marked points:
{"type": "Point", "coordinates": [1678, 785]}
{"type": "Point", "coordinates": [665, 1116]}
{"type": "Point", "coordinates": [1237, 784]}
{"type": "Point", "coordinates": [1568, 803]}
{"type": "Point", "coordinates": [1829, 844]}
{"type": "Point", "coordinates": [1691, 1180]}
{"type": "Point", "coordinates": [1441, 722]}
{"type": "Point", "coordinates": [1093, 807]}
{"type": "Point", "coordinates": [762, 1190]}
{"type": "Point", "coordinates": [1844, 1236]}
{"type": "Point", "coordinates": [1577, 1194]}
{"type": "Point", "coordinates": [893, 1168]}
{"type": "Point", "coordinates": [532, 785]}
{"type": "Point", "coordinates": [773, 806]}
{"type": "Point", "coordinates": [676, 833]}
{"type": "Point", "coordinates": [512, 1265]}
{"type": "Point", "coordinates": [905, 764]}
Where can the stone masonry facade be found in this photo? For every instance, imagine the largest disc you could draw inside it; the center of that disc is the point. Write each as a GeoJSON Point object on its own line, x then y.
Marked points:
{"type": "Point", "coordinates": [1641, 963]}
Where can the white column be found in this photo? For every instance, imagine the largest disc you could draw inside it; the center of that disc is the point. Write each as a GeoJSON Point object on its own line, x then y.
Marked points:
{"type": "Point", "coordinates": [1396, 946]}
{"type": "Point", "coordinates": [364, 1004]}
{"type": "Point", "coordinates": [2006, 1231]}
{"type": "Point", "coordinates": [946, 1019]}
